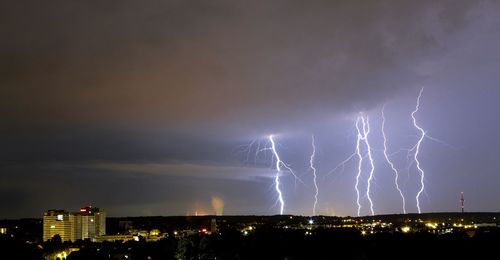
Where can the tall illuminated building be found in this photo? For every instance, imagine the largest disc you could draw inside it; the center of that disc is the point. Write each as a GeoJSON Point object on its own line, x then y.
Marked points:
{"type": "Point", "coordinates": [58, 222]}
{"type": "Point", "coordinates": [88, 223]}
{"type": "Point", "coordinates": [93, 222]}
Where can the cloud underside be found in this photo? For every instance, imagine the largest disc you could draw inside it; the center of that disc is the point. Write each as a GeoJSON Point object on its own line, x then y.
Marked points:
{"type": "Point", "coordinates": [181, 64]}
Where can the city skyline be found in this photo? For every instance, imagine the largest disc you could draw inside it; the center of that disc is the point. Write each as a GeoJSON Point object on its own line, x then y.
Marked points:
{"type": "Point", "coordinates": [168, 107]}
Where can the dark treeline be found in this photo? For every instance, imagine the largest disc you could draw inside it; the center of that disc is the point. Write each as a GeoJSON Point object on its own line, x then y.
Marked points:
{"type": "Point", "coordinates": [339, 243]}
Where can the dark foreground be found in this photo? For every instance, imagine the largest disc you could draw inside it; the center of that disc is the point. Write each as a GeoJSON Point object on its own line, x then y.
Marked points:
{"type": "Point", "coordinates": [411, 236]}
{"type": "Point", "coordinates": [338, 243]}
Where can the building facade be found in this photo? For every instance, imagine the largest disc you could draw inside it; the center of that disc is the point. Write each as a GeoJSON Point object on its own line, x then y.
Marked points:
{"type": "Point", "coordinates": [58, 222]}
{"type": "Point", "coordinates": [93, 222]}
{"type": "Point", "coordinates": [88, 223]}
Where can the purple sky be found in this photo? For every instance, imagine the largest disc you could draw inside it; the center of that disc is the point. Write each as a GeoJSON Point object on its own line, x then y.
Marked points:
{"type": "Point", "coordinates": [142, 107]}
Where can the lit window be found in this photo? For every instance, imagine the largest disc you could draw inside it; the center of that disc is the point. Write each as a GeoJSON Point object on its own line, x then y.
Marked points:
{"type": "Point", "coordinates": [60, 217]}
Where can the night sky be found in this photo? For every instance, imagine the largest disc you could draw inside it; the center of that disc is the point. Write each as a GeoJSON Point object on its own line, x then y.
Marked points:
{"type": "Point", "coordinates": [145, 107]}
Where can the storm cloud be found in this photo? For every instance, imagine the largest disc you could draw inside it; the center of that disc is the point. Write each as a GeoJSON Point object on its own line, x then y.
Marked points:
{"type": "Point", "coordinates": [145, 86]}
{"type": "Point", "coordinates": [197, 64]}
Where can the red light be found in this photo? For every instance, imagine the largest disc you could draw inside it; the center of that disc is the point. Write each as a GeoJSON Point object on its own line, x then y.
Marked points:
{"type": "Point", "coordinates": [83, 210]}
{"type": "Point", "coordinates": [204, 230]}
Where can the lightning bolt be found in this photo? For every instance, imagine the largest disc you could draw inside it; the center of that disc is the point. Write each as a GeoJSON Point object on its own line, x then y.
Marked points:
{"type": "Point", "coordinates": [257, 148]}
{"type": "Point", "coordinates": [366, 132]}
{"type": "Point", "coordinates": [277, 178]}
{"type": "Point", "coordinates": [363, 132]}
{"type": "Point", "coordinates": [396, 173]}
{"type": "Point", "coordinates": [311, 165]}
{"type": "Point", "coordinates": [417, 149]}
{"type": "Point", "coordinates": [278, 165]}
{"type": "Point", "coordinates": [360, 163]}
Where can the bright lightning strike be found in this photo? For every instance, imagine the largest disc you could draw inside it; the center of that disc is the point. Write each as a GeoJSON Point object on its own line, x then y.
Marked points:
{"type": "Point", "coordinates": [363, 128]}
{"type": "Point", "coordinates": [313, 168]}
{"type": "Point", "coordinates": [366, 132]}
{"type": "Point", "coordinates": [277, 178]}
{"type": "Point", "coordinates": [396, 173]}
{"type": "Point", "coordinates": [279, 163]}
{"type": "Point", "coordinates": [276, 163]}
{"type": "Point", "coordinates": [360, 164]}
{"type": "Point", "coordinates": [417, 150]}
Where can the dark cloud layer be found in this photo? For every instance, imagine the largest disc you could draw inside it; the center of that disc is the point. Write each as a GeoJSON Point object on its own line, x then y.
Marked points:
{"type": "Point", "coordinates": [140, 94]}
{"type": "Point", "coordinates": [190, 63]}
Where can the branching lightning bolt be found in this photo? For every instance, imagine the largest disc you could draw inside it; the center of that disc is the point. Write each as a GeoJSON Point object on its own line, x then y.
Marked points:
{"type": "Point", "coordinates": [417, 150]}
{"type": "Point", "coordinates": [360, 164]}
{"type": "Point", "coordinates": [278, 171]}
{"type": "Point", "coordinates": [278, 164]}
{"type": "Point", "coordinates": [366, 132]}
{"type": "Point", "coordinates": [313, 168]}
{"type": "Point", "coordinates": [396, 173]}
{"type": "Point", "coordinates": [363, 132]}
